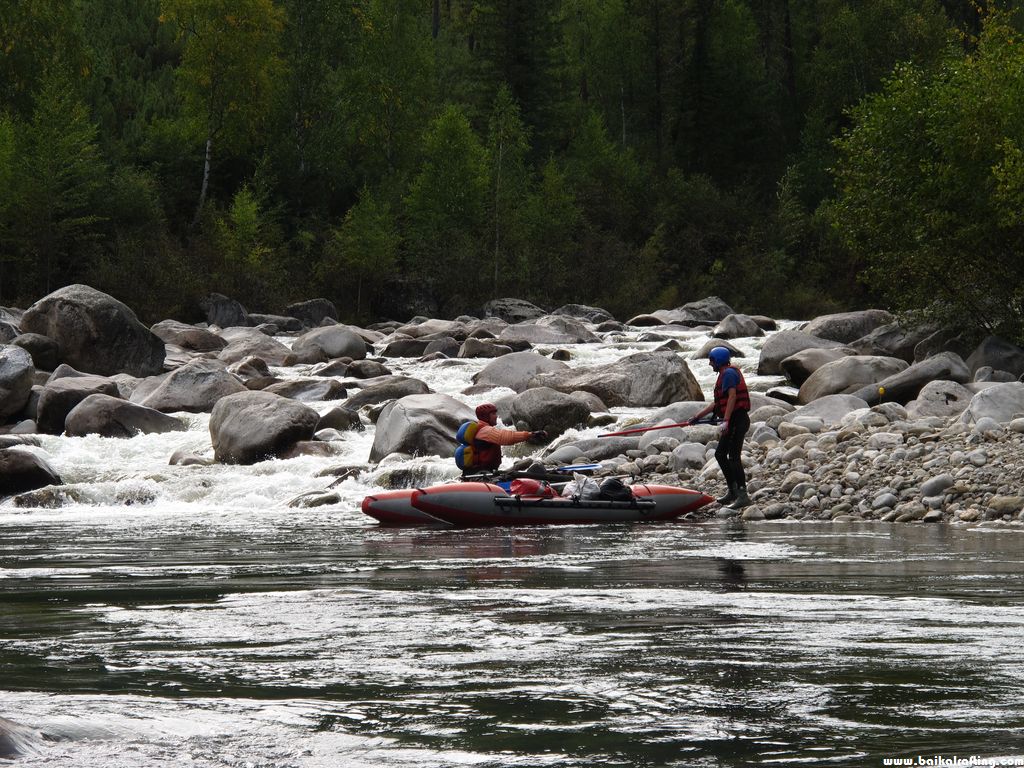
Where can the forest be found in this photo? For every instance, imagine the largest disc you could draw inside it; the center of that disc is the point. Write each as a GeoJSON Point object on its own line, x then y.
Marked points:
{"type": "Point", "coordinates": [405, 157]}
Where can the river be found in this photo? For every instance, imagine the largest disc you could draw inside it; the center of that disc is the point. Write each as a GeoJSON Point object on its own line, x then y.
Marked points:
{"type": "Point", "coordinates": [177, 616]}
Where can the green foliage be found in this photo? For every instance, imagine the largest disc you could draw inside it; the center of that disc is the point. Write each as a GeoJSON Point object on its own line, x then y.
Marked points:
{"type": "Point", "coordinates": [58, 175]}
{"type": "Point", "coordinates": [363, 250]}
{"type": "Point", "coordinates": [446, 215]}
{"type": "Point", "coordinates": [928, 179]}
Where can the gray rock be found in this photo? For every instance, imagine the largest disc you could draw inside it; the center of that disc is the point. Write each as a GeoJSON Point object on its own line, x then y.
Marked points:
{"type": "Point", "coordinates": [95, 333]}
{"type": "Point", "coordinates": [512, 310]}
{"type": "Point", "coordinates": [447, 346]}
{"type": "Point", "coordinates": [44, 350]}
{"type": "Point", "coordinates": [584, 313]}
{"type": "Point", "coordinates": [799, 366]}
{"type": "Point", "coordinates": [188, 336]}
{"type": "Point", "coordinates": [224, 312]}
{"type": "Point", "coordinates": [419, 425]}
{"type": "Point", "coordinates": [329, 342]}
{"type": "Point", "coordinates": [309, 390]}
{"type": "Point", "coordinates": [516, 370]}
{"type": "Point", "coordinates": [472, 347]}
{"type": "Point", "coordinates": [59, 397]}
{"type": "Point", "coordinates": [702, 353]}
{"type": "Point", "coordinates": [687, 456]}
{"type": "Point", "coordinates": [113, 417]}
{"type": "Point", "coordinates": [17, 374]}
{"type": "Point", "coordinates": [313, 312]}
{"type": "Point", "coordinates": [195, 387]}
{"type": "Point", "coordinates": [535, 333]}
{"type": "Point", "coordinates": [830, 409]}
{"type": "Point", "coordinates": [367, 369]}
{"type": "Point", "coordinates": [641, 380]}
{"type": "Point", "coordinates": [391, 388]}
{"type": "Point", "coordinates": [892, 340]}
{"type": "Point", "coordinates": [22, 471]}
{"type": "Point", "coordinates": [248, 427]}
{"type": "Point", "coordinates": [399, 347]}
{"type": "Point", "coordinates": [903, 386]}
{"type": "Point", "coordinates": [710, 309]}
{"type": "Point", "coordinates": [281, 323]}
{"type": "Point", "coordinates": [783, 344]}
{"type": "Point", "coordinates": [999, 354]}
{"type": "Point", "coordinates": [1002, 402]}
{"type": "Point", "coordinates": [846, 327]}
{"type": "Point", "coordinates": [737, 326]}
{"type": "Point", "coordinates": [544, 408]}
{"type": "Point", "coordinates": [341, 419]}
{"type": "Point", "coordinates": [848, 375]}
{"type": "Point", "coordinates": [249, 342]}
{"type": "Point", "coordinates": [943, 399]}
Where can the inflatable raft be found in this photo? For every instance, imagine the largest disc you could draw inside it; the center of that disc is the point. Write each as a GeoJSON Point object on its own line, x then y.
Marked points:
{"type": "Point", "coordinates": [481, 504]}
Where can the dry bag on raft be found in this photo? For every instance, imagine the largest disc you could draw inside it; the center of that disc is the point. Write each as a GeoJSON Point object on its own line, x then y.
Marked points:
{"type": "Point", "coordinates": [465, 458]}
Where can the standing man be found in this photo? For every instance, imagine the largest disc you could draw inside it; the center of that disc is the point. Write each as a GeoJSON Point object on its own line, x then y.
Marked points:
{"type": "Point", "coordinates": [731, 404]}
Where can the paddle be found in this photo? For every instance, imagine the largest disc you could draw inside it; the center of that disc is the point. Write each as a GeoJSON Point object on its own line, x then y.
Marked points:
{"type": "Point", "coordinates": [709, 420]}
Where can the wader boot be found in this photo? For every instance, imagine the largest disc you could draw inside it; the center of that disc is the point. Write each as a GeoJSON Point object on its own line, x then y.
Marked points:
{"type": "Point", "coordinates": [729, 497]}
{"type": "Point", "coordinates": [742, 500]}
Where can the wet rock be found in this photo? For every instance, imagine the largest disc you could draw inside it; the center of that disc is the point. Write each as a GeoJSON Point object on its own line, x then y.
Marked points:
{"type": "Point", "coordinates": [108, 416]}
{"type": "Point", "coordinates": [328, 343]}
{"type": "Point", "coordinates": [21, 470]}
{"type": "Point", "coordinates": [419, 425]}
{"type": "Point", "coordinates": [313, 313]}
{"type": "Point", "coordinates": [309, 390]}
{"type": "Point", "coordinates": [44, 350]}
{"type": "Point", "coordinates": [783, 344]}
{"type": "Point", "coordinates": [846, 327]}
{"type": "Point", "coordinates": [189, 337]}
{"type": "Point", "coordinates": [544, 408]}
{"type": "Point", "coordinates": [848, 375]}
{"type": "Point", "coordinates": [17, 374]}
{"type": "Point", "coordinates": [247, 343]}
{"type": "Point", "coordinates": [391, 388]}
{"type": "Point", "coordinates": [473, 347]}
{"type": "Point", "coordinates": [512, 310]}
{"type": "Point", "coordinates": [194, 388]}
{"type": "Point", "coordinates": [248, 427]}
{"type": "Point", "coordinates": [95, 332]}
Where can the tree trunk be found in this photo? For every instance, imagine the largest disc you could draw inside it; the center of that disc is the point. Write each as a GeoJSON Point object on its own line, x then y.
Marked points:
{"type": "Point", "coordinates": [206, 180]}
{"type": "Point", "coordinates": [436, 20]}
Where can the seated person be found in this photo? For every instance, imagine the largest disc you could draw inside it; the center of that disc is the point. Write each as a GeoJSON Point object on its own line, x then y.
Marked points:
{"type": "Point", "coordinates": [489, 438]}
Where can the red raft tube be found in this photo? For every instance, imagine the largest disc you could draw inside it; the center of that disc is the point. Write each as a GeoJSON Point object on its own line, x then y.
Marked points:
{"type": "Point", "coordinates": [482, 504]}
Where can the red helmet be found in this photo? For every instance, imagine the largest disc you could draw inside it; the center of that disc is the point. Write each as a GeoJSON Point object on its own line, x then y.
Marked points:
{"type": "Point", "coordinates": [485, 409]}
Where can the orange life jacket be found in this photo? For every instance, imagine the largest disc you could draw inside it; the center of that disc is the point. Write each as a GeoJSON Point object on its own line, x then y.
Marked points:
{"type": "Point", "coordinates": [722, 396]}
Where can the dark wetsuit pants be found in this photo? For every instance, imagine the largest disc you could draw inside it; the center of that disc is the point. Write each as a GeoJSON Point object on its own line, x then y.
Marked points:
{"type": "Point", "coordinates": [730, 446]}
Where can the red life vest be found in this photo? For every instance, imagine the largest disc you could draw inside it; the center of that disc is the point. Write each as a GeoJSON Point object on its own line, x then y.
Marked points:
{"type": "Point", "coordinates": [722, 397]}
{"type": "Point", "coordinates": [485, 455]}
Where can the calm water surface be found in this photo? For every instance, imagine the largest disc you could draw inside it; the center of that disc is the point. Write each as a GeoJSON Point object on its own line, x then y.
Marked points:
{"type": "Point", "coordinates": [309, 638]}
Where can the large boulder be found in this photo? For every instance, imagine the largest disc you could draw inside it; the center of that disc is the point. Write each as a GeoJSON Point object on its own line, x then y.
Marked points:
{"type": "Point", "coordinates": [569, 326]}
{"type": "Point", "coordinates": [312, 313]}
{"type": "Point", "coordinates": [944, 399]}
{"type": "Point", "coordinates": [248, 427]}
{"type": "Point", "coordinates": [188, 337]}
{"type": "Point", "coordinates": [829, 409]}
{"type": "Point", "coordinates": [392, 388]}
{"type": "Point", "coordinates": [1002, 402]}
{"type": "Point", "coordinates": [95, 332]}
{"type": "Point", "coordinates": [194, 387]}
{"type": "Point", "coordinates": [224, 312]}
{"type": "Point", "coordinates": [534, 333]}
{"type": "Point", "coordinates": [708, 310]}
{"type": "Point", "coordinates": [781, 345]}
{"type": "Point", "coordinates": [798, 367]}
{"type": "Point", "coordinates": [44, 350]}
{"type": "Point", "coordinates": [643, 380]}
{"type": "Point", "coordinates": [848, 375]}
{"type": "Point", "coordinates": [327, 343]}
{"type": "Point", "coordinates": [309, 390]}
{"type": "Point", "coordinates": [249, 342]}
{"type": "Point", "coordinates": [584, 313]}
{"type": "Point", "coordinates": [903, 386]}
{"type": "Point", "coordinates": [515, 370]}
{"type": "Point", "coordinates": [419, 425]}
{"type": "Point", "coordinates": [845, 327]}
{"type": "Point", "coordinates": [17, 374]}
{"type": "Point", "coordinates": [544, 408]}
{"type": "Point", "coordinates": [999, 354]}
{"type": "Point", "coordinates": [272, 325]}
{"type": "Point", "coordinates": [22, 471]}
{"type": "Point", "coordinates": [892, 340]}
{"type": "Point", "coordinates": [399, 347]}
{"type": "Point", "coordinates": [113, 417]}
{"type": "Point", "coordinates": [512, 310]}
{"type": "Point", "coordinates": [60, 396]}
{"type": "Point", "coordinates": [736, 327]}
{"type": "Point", "coordinates": [473, 347]}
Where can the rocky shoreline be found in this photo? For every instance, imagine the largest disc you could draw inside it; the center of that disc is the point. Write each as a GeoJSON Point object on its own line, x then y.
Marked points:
{"type": "Point", "coordinates": [863, 420]}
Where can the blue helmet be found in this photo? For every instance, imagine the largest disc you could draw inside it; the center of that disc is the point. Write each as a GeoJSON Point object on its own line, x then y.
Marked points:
{"type": "Point", "coordinates": [719, 356]}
